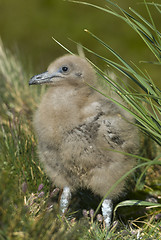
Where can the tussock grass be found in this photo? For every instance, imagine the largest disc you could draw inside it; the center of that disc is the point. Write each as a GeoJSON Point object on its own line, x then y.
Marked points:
{"type": "Point", "coordinates": [28, 206]}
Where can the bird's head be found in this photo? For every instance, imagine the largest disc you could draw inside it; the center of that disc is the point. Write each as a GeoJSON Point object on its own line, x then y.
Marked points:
{"type": "Point", "coordinates": [70, 69]}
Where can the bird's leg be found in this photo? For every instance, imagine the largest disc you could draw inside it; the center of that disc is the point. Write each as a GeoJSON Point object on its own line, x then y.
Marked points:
{"type": "Point", "coordinates": [107, 208]}
{"type": "Point", "coordinates": [64, 200]}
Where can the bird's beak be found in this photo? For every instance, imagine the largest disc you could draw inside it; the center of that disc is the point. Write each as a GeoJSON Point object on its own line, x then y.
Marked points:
{"type": "Point", "coordinates": [42, 78]}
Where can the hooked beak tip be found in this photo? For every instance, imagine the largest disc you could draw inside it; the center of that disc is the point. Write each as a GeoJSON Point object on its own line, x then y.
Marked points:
{"type": "Point", "coordinates": [31, 82]}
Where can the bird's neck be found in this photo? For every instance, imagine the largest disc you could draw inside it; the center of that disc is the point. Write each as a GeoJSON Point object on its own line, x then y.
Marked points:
{"type": "Point", "coordinates": [75, 95]}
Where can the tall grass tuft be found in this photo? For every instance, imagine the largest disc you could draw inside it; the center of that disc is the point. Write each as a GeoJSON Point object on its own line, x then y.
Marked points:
{"type": "Point", "coordinates": [145, 100]}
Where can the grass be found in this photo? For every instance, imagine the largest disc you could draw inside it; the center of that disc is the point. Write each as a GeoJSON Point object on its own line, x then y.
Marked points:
{"type": "Point", "coordinates": [28, 202]}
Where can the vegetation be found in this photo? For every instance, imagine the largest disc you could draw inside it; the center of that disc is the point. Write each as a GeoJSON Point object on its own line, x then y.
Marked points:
{"type": "Point", "coordinates": [28, 202]}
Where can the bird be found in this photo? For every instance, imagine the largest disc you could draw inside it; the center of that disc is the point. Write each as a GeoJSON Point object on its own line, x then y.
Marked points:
{"type": "Point", "coordinates": [81, 133]}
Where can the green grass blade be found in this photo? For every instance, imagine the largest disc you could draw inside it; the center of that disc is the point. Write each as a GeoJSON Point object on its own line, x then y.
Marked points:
{"type": "Point", "coordinates": [139, 79]}
{"type": "Point", "coordinates": [66, 49]}
{"type": "Point", "coordinates": [146, 22]}
{"type": "Point", "coordinates": [136, 203]}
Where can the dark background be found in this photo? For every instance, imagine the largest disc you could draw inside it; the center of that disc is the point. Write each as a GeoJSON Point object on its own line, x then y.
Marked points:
{"type": "Point", "coordinates": [27, 28]}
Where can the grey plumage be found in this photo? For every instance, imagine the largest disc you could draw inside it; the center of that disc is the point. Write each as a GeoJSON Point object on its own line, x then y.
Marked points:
{"type": "Point", "coordinates": [76, 126]}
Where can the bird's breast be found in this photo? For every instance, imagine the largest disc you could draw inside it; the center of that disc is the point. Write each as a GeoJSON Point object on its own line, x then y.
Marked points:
{"type": "Point", "coordinates": [57, 114]}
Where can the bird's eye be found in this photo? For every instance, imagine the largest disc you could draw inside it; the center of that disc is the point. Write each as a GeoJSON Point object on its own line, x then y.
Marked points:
{"type": "Point", "coordinates": [65, 69]}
